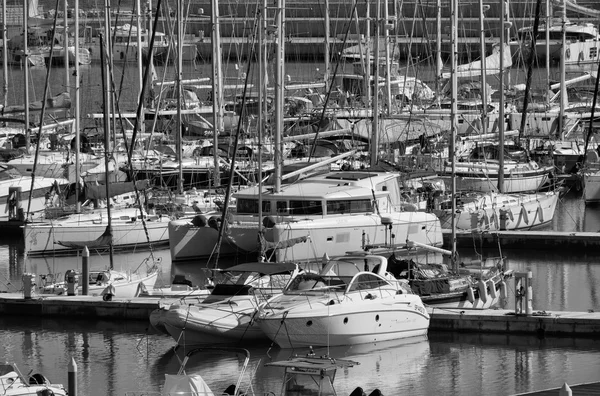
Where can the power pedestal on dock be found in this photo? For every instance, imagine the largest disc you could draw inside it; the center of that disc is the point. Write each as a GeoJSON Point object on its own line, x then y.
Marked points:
{"type": "Point", "coordinates": [523, 293]}
{"type": "Point", "coordinates": [28, 285]}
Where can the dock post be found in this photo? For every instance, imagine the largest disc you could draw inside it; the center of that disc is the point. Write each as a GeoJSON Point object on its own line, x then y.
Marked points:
{"type": "Point", "coordinates": [85, 269]}
{"type": "Point", "coordinates": [28, 281]}
{"type": "Point", "coordinates": [565, 390]}
{"type": "Point", "coordinates": [72, 378]}
{"type": "Point", "coordinates": [523, 293]}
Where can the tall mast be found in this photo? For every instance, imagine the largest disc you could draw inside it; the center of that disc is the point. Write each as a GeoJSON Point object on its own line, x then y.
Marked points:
{"type": "Point", "coordinates": [217, 88]}
{"type": "Point", "coordinates": [179, 95]}
{"type": "Point", "coordinates": [374, 149]}
{"type": "Point", "coordinates": [280, 18]}
{"type": "Point", "coordinates": [453, 116]}
{"type": "Point", "coordinates": [26, 71]}
{"type": "Point", "coordinates": [66, 46]}
{"type": "Point", "coordinates": [106, 90]}
{"type": "Point", "coordinates": [386, 36]}
{"type": "Point", "coordinates": [326, 49]}
{"type": "Point", "coordinates": [4, 56]}
{"type": "Point", "coordinates": [548, 23]}
{"type": "Point", "coordinates": [438, 50]}
{"type": "Point", "coordinates": [77, 108]}
{"type": "Point", "coordinates": [563, 87]}
{"type": "Point", "coordinates": [262, 107]}
{"type": "Point", "coordinates": [482, 9]}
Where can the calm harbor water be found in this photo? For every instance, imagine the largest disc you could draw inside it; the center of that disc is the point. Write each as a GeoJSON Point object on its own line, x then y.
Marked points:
{"type": "Point", "coordinates": [118, 357]}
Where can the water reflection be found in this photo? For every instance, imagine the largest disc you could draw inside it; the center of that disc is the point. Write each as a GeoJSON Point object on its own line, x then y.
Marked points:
{"type": "Point", "coordinates": [114, 358]}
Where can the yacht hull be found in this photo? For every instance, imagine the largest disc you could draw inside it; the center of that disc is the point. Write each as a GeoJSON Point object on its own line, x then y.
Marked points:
{"type": "Point", "coordinates": [347, 324]}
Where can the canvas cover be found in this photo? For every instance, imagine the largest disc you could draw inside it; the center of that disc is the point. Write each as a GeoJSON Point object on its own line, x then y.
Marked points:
{"type": "Point", "coordinates": [185, 385]}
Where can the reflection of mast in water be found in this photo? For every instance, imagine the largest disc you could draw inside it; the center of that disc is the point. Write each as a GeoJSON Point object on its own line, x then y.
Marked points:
{"type": "Point", "coordinates": [15, 264]}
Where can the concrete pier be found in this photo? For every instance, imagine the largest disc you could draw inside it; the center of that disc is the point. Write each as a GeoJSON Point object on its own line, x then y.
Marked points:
{"type": "Point", "coordinates": [590, 241]}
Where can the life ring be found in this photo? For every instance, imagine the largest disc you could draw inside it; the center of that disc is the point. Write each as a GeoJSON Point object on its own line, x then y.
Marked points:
{"type": "Point", "coordinates": [568, 53]}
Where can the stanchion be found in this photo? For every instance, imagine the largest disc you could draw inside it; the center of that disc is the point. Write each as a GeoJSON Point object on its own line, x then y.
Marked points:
{"type": "Point", "coordinates": [85, 257]}
{"type": "Point", "coordinates": [72, 386]}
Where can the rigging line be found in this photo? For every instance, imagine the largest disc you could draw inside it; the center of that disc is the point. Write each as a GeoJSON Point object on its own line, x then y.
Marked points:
{"type": "Point", "coordinates": [43, 112]}
{"type": "Point", "coordinates": [330, 88]}
{"type": "Point", "coordinates": [532, 56]}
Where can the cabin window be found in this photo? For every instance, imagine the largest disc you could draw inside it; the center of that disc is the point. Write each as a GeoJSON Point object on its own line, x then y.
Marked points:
{"type": "Point", "coordinates": [305, 208]}
{"type": "Point", "coordinates": [349, 206]}
{"type": "Point", "coordinates": [247, 206]}
{"type": "Point", "coordinates": [593, 52]}
{"type": "Point", "coordinates": [366, 282]}
{"type": "Point", "coordinates": [250, 206]}
{"type": "Point", "coordinates": [282, 207]}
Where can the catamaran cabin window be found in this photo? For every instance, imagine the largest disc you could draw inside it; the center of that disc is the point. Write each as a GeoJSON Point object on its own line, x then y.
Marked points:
{"type": "Point", "coordinates": [250, 206]}
{"type": "Point", "coordinates": [306, 207]}
{"type": "Point", "coordinates": [247, 206]}
{"type": "Point", "coordinates": [349, 206]}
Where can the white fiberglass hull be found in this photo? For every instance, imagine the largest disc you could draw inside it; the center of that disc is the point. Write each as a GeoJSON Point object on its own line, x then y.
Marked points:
{"type": "Point", "coordinates": [478, 177]}
{"type": "Point", "coordinates": [514, 212]}
{"type": "Point", "coordinates": [334, 235]}
{"type": "Point", "coordinates": [348, 322]}
{"type": "Point", "coordinates": [41, 239]}
{"type": "Point", "coordinates": [215, 323]}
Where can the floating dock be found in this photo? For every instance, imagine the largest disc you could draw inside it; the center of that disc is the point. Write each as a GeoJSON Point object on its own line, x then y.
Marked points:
{"type": "Point", "coordinates": [590, 241]}
{"type": "Point", "coordinates": [540, 323]}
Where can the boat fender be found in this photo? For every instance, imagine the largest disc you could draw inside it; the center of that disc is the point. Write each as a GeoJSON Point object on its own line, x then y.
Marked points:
{"type": "Point", "coordinates": [581, 56]}
{"type": "Point", "coordinates": [493, 291]}
{"type": "Point", "coordinates": [199, 221]}
{"type": "Point", "coordinates": [214, 222]}
{"type": "Point", "coordinates": [108, 293]}
{"type": "Point", "coordinates": [524, 214]}
{"type": "Point", "coordinates": [471, 295]}
{"type": "Point", "coordinates": [540, 213]}
{"type": "Point", "coordinates": [568, 53]}
{"type": "Point", "coordinates": [503, 290]}
{"type": "Point", "coordinates": [483, 292]}
{"type": "Point", "coordinates": [269, 221]}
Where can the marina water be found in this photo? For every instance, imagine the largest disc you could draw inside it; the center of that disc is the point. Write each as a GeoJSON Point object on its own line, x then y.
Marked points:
{"type": "Point", "coordinates": [115, 357]}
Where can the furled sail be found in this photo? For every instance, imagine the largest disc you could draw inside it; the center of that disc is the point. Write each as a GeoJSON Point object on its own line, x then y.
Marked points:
{"type": "Point", "coordinates": [58, 102]}
{"type": "Point", "coordinates": [98, 191]}
{"type": "Point", "coordinates": [492, 64]}
{"type": "Point", "coordinates": [102, 241]}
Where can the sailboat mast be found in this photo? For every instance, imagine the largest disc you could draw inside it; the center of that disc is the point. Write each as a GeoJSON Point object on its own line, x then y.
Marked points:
{"type": "Point", "coordinates": [548, 23]}
{"type": "Point", "coordinates": [563, 86]}
{"type": "Point", "coordinates": [374, 148]}
{"type": "Point", "coordinates": [454, 124]}
{"type": "Point", "coordinates": [179, 96]}
{"type": "Point", "coordinates": [77, 108]}
{"type": "Point", "coordinates": [388, 72]}
{"type": "Point", "coordinates": [262, 106]}
{"type": "Point", "coordinates": [4, 56]}
{"type": "Point", "coordinates": [217, 88]}
{"type": "Point", "coordinates": [279, 91]}
{"type": "Point", "coordinates": [106, 96]}
{"type": "Point", "coordinates": [326, 48]}
{"type": "Point", "coordinates": [482, 10]}
{"type": "Point", "coordinates": [26, 71]}
{"type": "Point", "coordinates": [66, 45]}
